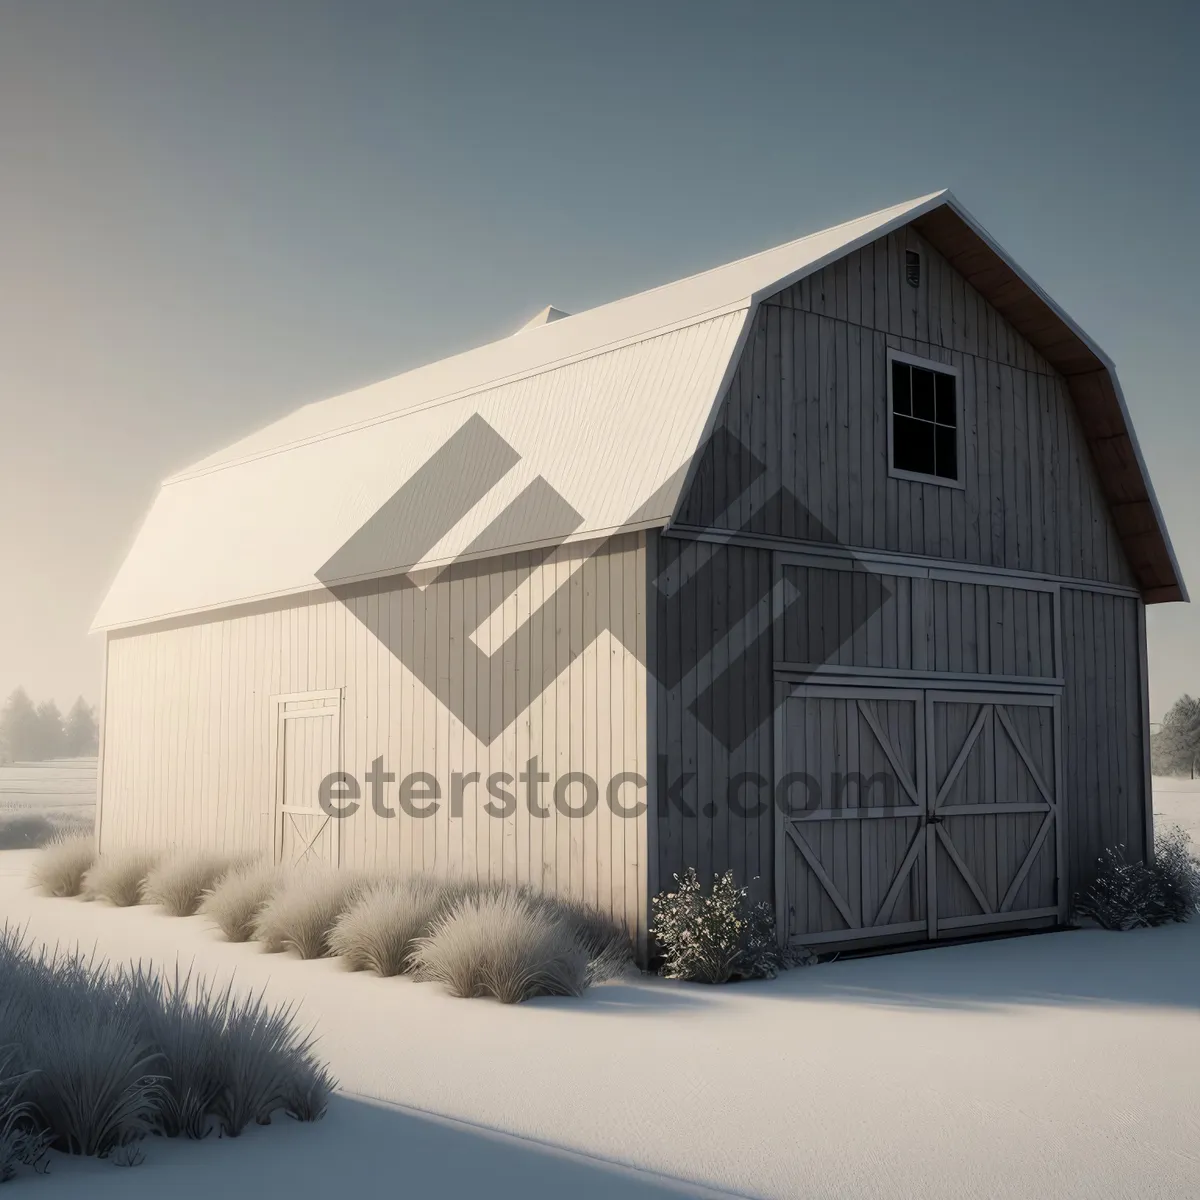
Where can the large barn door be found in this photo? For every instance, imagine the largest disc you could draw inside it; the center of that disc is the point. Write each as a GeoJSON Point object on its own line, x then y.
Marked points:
{"type": "Point", "coordinates": [308, 732]}
{"type": "Point", "coordinates": [995, 842]}
{"type": "Point", "coordinates": [851, 804]}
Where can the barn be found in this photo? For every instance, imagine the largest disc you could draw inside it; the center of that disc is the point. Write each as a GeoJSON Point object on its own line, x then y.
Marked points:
{"type": "Point", "coordinates": [828, 566]}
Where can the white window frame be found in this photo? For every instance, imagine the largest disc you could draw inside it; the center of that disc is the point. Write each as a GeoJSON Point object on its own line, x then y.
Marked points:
{"type": "Point", "coordinates": [930, 364]}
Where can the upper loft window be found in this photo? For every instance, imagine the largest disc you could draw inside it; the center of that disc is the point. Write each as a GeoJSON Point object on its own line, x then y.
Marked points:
{"type": "Point", "coordinates": [925, 414]}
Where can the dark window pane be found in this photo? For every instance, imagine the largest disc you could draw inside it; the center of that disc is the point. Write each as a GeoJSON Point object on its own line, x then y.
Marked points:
{"type": "Point", "coordinates": [945, 399]}
{"type": "Point", "coordinates": [947, 452]}
{"type": "Point", "coordinates": [922, 393]}
{"type": "Point", "coordinates": [912, 445]}
{"type": "Point", "coordinates": [901, 396]}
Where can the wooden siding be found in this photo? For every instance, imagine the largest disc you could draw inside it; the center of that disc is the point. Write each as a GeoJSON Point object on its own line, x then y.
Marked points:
{"type": "Point", "coordinates": [809, 401]}
{"type": "Point", "coordinates": [187, 737]}
{"type": "Point", "coordinates": [1103, 766]}
{"type": "Point", "coordinates": [711, 662]}
{"type": "Point", "coordinates": [901, 622]}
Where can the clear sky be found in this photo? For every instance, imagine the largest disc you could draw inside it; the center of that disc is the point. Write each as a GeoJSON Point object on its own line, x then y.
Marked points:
{"type": "Point", "coordinates": [213, 212]}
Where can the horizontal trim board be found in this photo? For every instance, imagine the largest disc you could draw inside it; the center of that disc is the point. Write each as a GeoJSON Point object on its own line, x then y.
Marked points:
{"type": "Point", "coordinates": [988, 810]}
{"type": "Point", "coordinates": [788, 670]}
{"type": "Point", "coordinates": [1039, 698]}
{"type": "Point", "coordinates": [858, 679]}
{"type": "Point", "coordinates": [887, 558]}
{"type": "Point", "coordinates": [369, 583]}
{"type": "Point", "coordinates": [900, 812]}
{"type": "Point", "coordinates": [1002, 918]}
{"type": "Point", "coordinates": [847, 935]}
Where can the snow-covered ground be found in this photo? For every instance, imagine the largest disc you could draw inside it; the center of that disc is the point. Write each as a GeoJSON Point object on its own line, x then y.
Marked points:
{"type": "Point", "coordinates": [1177, 802]}
{"type": "Point", "coordinates": [63, 791]}
{"type": "Point", "coordinates": [1061, 1065]}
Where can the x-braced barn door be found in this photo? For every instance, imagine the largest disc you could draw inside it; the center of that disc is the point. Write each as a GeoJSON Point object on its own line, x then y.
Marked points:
{"type": "Point", "coordinates": [307, 745]}
{"type": "Point", "coordinates": [850, 813]}
{"type": "Point", "coordinates": [995, 842]}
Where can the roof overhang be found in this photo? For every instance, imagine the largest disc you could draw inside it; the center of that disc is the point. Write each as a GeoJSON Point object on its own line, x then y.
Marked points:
{"type": "Point", "coordinates": [1091, 379]}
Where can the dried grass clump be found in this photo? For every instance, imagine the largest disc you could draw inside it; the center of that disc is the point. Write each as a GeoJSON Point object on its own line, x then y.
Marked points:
{"type": "Point", "coordinates": [301, 915]}
{"type": "Point", "coordinates": [179, 882]}
{"type": "Point", "coordinates": [99, 1058]}
{"type": "Point", "coordinates": [505, 946]}
{"type": "Point", "coordinates": [602, 937]}
{"type": "Point", "coordinates": [118, 877]}
{"type": "Point", "coordinates": [234, 902]}
{"type": "Point", "coordinates": [60, 867]}
{"type": "Point", "coordinates": [379, 931]}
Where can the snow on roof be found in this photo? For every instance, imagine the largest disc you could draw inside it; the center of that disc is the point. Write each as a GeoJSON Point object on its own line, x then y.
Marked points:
{"type": "Point", "coordinates": [607, 407]}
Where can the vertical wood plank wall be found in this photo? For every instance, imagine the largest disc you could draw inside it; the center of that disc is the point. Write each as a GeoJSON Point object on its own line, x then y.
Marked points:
{"type": "Point", "coordinates": [711, 646]}
{"type": "Point", "coordinates": [809, 400]}
{"type": "Point", "coordinates": [1103, 774]}
{"type": "Point", "coordinates": [187, 736]}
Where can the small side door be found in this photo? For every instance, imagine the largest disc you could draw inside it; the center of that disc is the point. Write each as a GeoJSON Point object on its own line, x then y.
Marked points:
{"type": "Point", "coordinates": [307, 747]}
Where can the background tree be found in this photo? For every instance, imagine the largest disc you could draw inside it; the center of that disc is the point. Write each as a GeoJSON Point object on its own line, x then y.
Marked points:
{"type": "Point", "coordinates": [1175, 749]}
{"type": "Point", "coordinates": [80, 735]}
{"type": "Point", "coordinates": [49, 731]}
{"type": "Point", "coordinates": [19, 728]}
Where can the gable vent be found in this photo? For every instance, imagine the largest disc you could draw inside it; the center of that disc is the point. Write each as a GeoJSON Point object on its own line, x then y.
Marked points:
{"type": "Point", "coordinates": [912, 268]}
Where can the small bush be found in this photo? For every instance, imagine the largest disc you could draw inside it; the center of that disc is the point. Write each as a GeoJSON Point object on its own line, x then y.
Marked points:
{"type": "Point", "coordinates": [602, 937]}
{"type": "Point", "coordinates": [23, 1142]}
{"type": "Point", "coordinates": [1132, 895]}
{"type": "Point", "coordinates": [61, 866]}
{"type": "Point", "coordinates": [1178, 869]}
{"type": "Point", "coordinates": [268, 1066]}
{"type": "Point", "coordinates": [502, 945]}
{"type": "Point", "coordinates": [379, 931]}
{"type": "Point", "coordinates": [301, 915]}
{"type": "Point", "coordinates": [118, 877]}
{"type": "Point", "coordinates": [235, 900]}
{"type": "Point", "coordinates": [179, 882]}
{"type": "Point", "coordinates": [104, 1057]}
{"type": "Point", "coordinates": [717, 936]}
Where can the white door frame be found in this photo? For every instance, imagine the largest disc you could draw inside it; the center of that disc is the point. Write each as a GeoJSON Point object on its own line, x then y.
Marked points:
{"type": "Point", "coordinates": [294, 706]}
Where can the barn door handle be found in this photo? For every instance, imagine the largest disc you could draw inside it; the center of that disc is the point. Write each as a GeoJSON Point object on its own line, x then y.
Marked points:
{"type": "Point", "coordinates": [934, 819]}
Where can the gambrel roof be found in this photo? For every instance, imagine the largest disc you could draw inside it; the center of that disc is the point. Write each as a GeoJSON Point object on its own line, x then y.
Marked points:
{"type": "Point", "coordinates": [588, 421]}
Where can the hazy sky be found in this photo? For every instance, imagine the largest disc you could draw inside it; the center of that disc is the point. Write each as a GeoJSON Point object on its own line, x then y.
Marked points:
{"type": "Point", "coordinates": [211, 213]}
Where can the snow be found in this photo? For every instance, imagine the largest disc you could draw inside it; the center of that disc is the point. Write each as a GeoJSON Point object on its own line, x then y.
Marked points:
{"type": "Point", "coordinates": [1177, 802]}
{"type": "Point", "coordinates": [1053, 1065]}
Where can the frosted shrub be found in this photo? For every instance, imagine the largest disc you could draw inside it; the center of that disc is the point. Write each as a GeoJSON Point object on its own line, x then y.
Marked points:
{"type": "Point", "coordinates": [105, 1057]}
{"type": "Point", "coordinates": [1131, 895]}
{"type": "Point", "coordinates": [502, 945]}
{"type": "Point", "coordinates": [61, 865]}
{"type": "Point", "coordinates": [267, 1065]}
{"type": "Point", "coordinates": [1179, 872]}
{"type": "Point", "coordinates": [118, 877]}
{"type": "Point", "coordinates": [23, 1141]}
{"type": "Point", "coordinates": [234, 902]}
{"type": "Point", "coordinates": [379, 930]}
{"type": "Point", "coordinates": [715, 936]}
{"type": "Point", "coordinates": [301, 915]}
{"type": "Point", "coordinates": [179, 882]}
{"type": "Point", "coordinates": [602, 937]}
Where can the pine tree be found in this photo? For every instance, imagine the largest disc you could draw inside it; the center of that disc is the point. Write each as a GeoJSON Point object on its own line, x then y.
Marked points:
{"type": "Point", "coordinates": [80, 735]}
{"type": "Point", "coordinates": [1175, 749]}
{"type": "Point", "coordinates": [19, 728]}
{"type": "Point", "coordinates": [49, 731]}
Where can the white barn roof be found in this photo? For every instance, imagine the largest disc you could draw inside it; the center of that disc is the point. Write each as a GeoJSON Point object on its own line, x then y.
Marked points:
{"type": "Point", "coordinates": [607, 407]}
